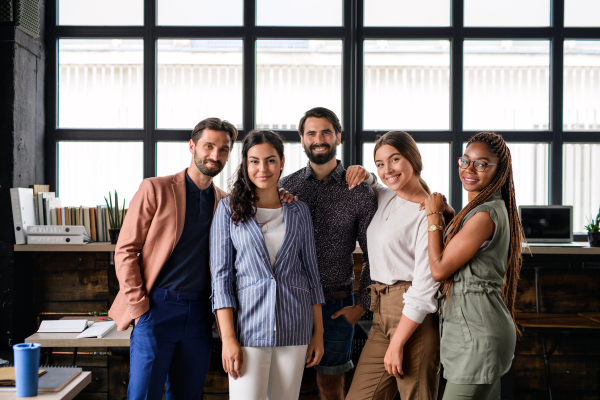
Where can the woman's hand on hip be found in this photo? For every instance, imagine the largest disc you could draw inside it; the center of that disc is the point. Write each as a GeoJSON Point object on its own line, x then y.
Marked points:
{"type": "Point", "coordinates": [393, 359]}
{"type": "Point", "coordinates": [315, 351]}
{"type": "Point", "coordinates": [232, 358]}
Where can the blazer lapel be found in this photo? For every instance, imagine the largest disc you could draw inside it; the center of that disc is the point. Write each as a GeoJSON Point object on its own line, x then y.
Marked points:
{"type": "Point", "coordinates": [178, 188]}
{"type": "Point", "coordinates": [259, 242]}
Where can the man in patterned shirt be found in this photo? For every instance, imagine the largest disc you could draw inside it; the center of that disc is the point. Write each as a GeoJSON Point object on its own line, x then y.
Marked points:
{"type": "Point", "coordinates": [340, 218]}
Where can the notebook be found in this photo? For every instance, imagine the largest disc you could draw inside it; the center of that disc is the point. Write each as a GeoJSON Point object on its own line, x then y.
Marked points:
{"type": "Point", "coordinates": [63, 325]}
{"type": "Point", "coordinates": [7, 376]}
{"type": "Point", "coordinates": [54, 380]}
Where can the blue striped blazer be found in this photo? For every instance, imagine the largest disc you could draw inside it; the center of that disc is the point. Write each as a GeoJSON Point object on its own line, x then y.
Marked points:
{"type": "Point", "coordinates": [272, 307]}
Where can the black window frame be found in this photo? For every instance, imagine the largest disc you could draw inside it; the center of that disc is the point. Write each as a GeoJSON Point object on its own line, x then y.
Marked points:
{"type": "Point", "coordinates": [353, 34]}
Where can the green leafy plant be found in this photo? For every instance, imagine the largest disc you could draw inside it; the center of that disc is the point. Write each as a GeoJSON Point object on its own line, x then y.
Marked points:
{"type": "Point", "coordinates": [115, 216]}
{"type": "Point", "coordinates": [593, 225]}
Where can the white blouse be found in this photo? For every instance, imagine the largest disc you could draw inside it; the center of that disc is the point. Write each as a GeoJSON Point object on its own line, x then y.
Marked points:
{"type": "Point", "coordinates": [272, 225]}
{"type": "Point", "coordinates": [397, 241]}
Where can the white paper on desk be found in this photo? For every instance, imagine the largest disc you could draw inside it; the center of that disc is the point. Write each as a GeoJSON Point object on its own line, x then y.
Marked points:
{"type": "Point", "coordinates": [63, 325]}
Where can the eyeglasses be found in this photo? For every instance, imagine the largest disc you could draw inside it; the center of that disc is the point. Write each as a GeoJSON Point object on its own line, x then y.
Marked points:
{"type": "Point", "coordinates": [479, 165]}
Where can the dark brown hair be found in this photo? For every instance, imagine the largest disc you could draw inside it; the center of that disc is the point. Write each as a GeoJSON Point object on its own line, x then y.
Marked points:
{"type": "Point", "coordinates": [502, 180]}
{"type": "Point", "coordinates": [214, 124]}
{"type": "Point", "coordinates": [243, 196]}
{"type": "Point", "coordinates": [407, 147]}
{"type": "Point", "coordinates": [320, 112]}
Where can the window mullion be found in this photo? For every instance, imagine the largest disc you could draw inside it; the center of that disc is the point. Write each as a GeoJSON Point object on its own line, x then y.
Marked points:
{"type": "Point", "coordinates": [556, 102]}
{"type": "Point", "coordinates": [456, 100]}
{"type": "Point", "coordinates": [149, 88]}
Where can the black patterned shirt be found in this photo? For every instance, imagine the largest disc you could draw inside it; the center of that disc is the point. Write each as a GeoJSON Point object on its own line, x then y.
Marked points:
{"type": "Point", "coordinates": [340, 217]}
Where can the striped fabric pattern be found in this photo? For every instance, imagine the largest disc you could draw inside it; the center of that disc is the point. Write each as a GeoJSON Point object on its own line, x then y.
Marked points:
{"type": "Point", "coordinates": [272, 307]}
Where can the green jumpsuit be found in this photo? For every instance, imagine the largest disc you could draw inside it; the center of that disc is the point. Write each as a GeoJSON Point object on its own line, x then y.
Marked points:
{"type": "Point", "coordinates": [477, 333]}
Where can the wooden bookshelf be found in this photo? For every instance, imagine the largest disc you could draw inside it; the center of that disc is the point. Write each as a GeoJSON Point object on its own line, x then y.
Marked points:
{"type": "Point", "coordinates": [90, 247]}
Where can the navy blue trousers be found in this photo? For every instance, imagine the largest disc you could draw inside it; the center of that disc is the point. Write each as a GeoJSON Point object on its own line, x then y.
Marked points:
{"type": "Point", "coordinates": [171, 342]}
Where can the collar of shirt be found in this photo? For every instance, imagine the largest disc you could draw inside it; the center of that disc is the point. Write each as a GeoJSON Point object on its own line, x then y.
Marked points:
{"type": "Point", "coordinates": [192, 188]}
{"type": "Point", "coordinates": [336, 174]}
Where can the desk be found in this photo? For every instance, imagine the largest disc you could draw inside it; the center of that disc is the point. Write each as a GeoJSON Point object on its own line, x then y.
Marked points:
{"type": "Point", "coordinates": [113, 339]}
{"type": "Point", "coordinates": [594, 316]}
{"type": "Point", "coordinates": [68, 392]}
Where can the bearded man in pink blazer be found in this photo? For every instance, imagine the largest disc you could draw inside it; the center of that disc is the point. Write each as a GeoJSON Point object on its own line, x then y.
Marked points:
{"type": "Point", "coordinates": [162, 264]}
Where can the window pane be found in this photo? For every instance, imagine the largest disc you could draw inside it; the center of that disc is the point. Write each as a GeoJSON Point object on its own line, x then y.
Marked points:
{"type": "Point", "coordinates": [407, 13]}
{"type": "Point", "coordinates": [507, 12]}
{"type": "Point", "coordinates": [582, 13]}
{"type": "Point", "coordinates": [200, 12]}
{"type": "Point", "coordinates": [582, 85]}
{"type": "Point", "coordinates": [100, 83]}
{"type": "Point", "coordinates": [506, 85]}
{"type": "Point", "coordinates": [101, 12]}
{"type": "Point", "coordinates": [530, 173]}
{"type": "Point", "coordinates": [299, 13]}
{"type": "Point", "coordinates": [173, 157]}
{"type": "Point", "coordinates": [87, 171]}
{"type": "Point", "coordinates": [435, 157]}
{"type": "Point", "coordinates": [198, 79]}
{"type": "Point", "coordinates": [581, 186]}
{"type": "Point", "coordinates": [407, 84]}
{"type": "Point", "coordinates": [293, 76]}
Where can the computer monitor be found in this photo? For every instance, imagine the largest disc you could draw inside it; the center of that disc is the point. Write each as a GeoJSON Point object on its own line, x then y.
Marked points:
{"type": "Point", "coordinates": [547, 224]}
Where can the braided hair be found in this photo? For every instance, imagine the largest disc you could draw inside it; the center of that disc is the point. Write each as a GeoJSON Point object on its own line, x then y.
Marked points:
{"type": "Point", "coordinates": [502, 180]}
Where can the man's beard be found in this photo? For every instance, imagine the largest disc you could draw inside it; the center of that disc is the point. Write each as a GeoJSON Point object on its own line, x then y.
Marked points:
{"type": "Point", "coordinates": [323, 158]}
{"type": "Point", "coordinates": [206, 170]}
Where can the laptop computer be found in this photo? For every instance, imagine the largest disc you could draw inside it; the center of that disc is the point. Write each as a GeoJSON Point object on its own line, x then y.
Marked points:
{"type": "Point", "coordinates": [548, 224]}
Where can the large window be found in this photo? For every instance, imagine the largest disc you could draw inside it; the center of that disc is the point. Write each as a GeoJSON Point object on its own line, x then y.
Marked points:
{"type": "Point", "coordinates": [126, 88]}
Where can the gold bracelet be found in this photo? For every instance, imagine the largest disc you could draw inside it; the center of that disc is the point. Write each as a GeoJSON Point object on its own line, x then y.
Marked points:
{"type": "Point", "coordinates": [435, 212]}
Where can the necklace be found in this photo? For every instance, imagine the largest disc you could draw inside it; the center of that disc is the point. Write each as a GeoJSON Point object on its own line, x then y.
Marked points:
{"type": "Point", "coordinates": [396, 209]}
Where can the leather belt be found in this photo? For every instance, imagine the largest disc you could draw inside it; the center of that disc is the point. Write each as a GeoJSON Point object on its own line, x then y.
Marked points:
{"type": "Point", "coordinates": [339, 293]}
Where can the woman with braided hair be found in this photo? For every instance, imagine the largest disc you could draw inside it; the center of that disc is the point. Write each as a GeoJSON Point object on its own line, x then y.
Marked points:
{"type": "Point", "coordinates": [479, 265]}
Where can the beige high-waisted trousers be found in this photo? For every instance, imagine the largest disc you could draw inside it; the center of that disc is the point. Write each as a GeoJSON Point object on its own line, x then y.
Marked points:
{"type": "Point", "coordinates": [421, 353]}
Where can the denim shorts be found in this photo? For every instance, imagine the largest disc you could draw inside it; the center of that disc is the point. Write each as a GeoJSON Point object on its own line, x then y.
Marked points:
{"type": "Point", "coordinates": [338, 336]}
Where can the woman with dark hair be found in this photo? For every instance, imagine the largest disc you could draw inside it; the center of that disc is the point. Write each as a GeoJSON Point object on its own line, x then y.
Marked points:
{"type": "Point", "coordinates": [402, 352]}
{"type": "Point", "coordinates": [479, 264]}
{"type": "Point", "coordinates": [266, 289]}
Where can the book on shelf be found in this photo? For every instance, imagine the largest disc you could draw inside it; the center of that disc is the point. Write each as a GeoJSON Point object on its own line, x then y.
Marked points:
{"type": "Point", "coordinates": [41, 209]}
{"type": "Point", "coordinates": [23, 212]}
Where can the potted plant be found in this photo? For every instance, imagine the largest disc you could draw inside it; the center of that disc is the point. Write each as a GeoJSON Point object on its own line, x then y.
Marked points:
{"type": "Point", "coordinates": [593, 230]}
{"type": "Point", "coordinates": [115, 217]}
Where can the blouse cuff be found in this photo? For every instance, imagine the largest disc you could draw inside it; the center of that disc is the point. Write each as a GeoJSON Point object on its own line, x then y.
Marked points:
{"type": "Point", "coordinates": [414, 314]}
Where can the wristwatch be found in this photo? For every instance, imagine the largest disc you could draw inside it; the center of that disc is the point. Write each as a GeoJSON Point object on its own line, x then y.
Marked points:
{"type": "Point", "coordinates": [434, 227]}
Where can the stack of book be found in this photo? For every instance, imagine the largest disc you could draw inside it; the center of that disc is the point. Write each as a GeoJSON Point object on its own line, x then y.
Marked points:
{"type": "Point", "coordinates": [38, 206]}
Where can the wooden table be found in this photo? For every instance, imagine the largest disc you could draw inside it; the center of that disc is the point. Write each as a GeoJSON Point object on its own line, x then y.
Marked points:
{"type": "Point", "coordinates": [113, 339]}
{"type": "Point", "coordinates": [534, 322]}
{"type": "Point", "coordinates": [68, 392]}
{"type": "Point", "coordinates": [543, 323]}
{"type": "Point", "coordinates": [594, 316]}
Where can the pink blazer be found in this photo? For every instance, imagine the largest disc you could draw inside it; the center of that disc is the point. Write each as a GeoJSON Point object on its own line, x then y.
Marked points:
{"type": "Point", "coordinates": [150, 231]}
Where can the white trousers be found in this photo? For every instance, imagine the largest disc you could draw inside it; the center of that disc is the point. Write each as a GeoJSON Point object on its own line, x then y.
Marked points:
{"type": "Point", "coordinates": [269, 373]}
